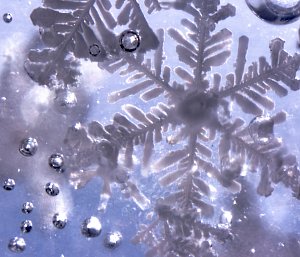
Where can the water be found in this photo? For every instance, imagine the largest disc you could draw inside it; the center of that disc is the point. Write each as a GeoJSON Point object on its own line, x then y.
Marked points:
{"type": "Point", "coordinates": [276, 11]}
{"type": "Point", "coordinates": [7, 17]}
{"type": "Point", "coordinates": [129, 40]}
{"type": "Point", "coordinates": [59, 220]}
{"type": "Point", "coordinates": [113, 239]}
{"type": "Point", "coordinates": [26, 226]}
{"type": "Point", "coordinates": [91, 227]}
{"type": "Point", "coordinates": [9, 184]}
{"type": "Point", "coordinates": [27, 207]}
{"type": "Point", "coordinates": [56, 161]}
{"type": "Point", "coordinates": [28, 147]}
{"type": "Point", "coordinates": [17, 244]}
{"type": "Point", "coordinates": [94, 50]}
{"type": "Point", "coordinates": [52, 189]}
{"type": "Point", "coordinates": [261, 129]}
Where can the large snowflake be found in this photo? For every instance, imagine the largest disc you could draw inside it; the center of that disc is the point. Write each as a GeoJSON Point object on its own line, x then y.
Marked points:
{"type": "Point", "coordinates": [192, 105]}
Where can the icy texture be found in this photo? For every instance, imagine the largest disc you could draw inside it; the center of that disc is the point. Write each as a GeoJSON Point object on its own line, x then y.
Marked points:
{"type": "Point", "coordinates": [191, 104]}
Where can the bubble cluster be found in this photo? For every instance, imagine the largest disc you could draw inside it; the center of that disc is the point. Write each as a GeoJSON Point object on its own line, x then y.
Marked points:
{"type": "Point", "coordinates": [52, 189]}
{"type": "Point", "coordinates": [7, 17]}
{"type": "Point", "coordinates": [26, 226]}
{"type": "Point", "coordinates": [261, 129]}
{"type": "Point", "coordinates": [91, 227]}
{"type": "Point", "coordinates": [276, 11]}
{"type": "Point", "coordinates": [59, 220]}
{"type": "Point", "coordinates": [56, 161]}
{"type": "Point", "coordinates": [94, 50]}
{"type": "Point", "coordinates": [129, 40]}
{"type": "Point", "coordinates": [9, 184]}
{"type": "Point", "coordinates": [27, 207]}
{"type": "Point", "coordinates": [28, 146]}
{"type": "Point", "coordinates": [113, 239]}
{"type": "Point", "coordinates": [17, 244]}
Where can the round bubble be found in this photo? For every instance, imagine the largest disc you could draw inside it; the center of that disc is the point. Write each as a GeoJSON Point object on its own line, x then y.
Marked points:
{"type": "Point", "coordinates": [91, 227]}
{"type": "Point", "coordinates": [59, 220]}
{"type": "Point", "coordinates": [276, 11]}
{"type": "Point", "coordinates": [17, 244]}
{"type": "Point", "coordinates": [94, 50]}
{"type": "Point", "coordinates": [7, 17]}
{"type": "Point", "coordinates": [226, 218]}
{"type": "Point", "coordinates": [113, 239]}
{"type": "Point", "coordinates": [27, 207]}
{"type": "Point", "coordinates": [26, 226]}
{"type": "Point", "coordinates": [9, 184]}
{"type": "Point", "coordinates": [56, 161]}
{"type": "Point", "coordinates": [261, 129]}
{"type": "Point", "coordinates": [28, 146]}
{"type": "Point", "coordinates": [129, 40]}
{"type": "Point", "coordinates": [52, 189]}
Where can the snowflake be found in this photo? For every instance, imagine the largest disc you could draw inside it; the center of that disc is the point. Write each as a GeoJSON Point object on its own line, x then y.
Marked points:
{"type": "Point", "coordinates": [193, 103]}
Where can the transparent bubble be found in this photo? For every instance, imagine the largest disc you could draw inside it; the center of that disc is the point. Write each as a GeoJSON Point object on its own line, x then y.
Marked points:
{"type": "Point", "coordinates": [91, 227]}
{"type": "Point", "coordinates": [261, 129]}
{"type": "Point", "coordinates": [28, 146]}
{"type": "Point", "coordinates": [129, 40]}
{"type": "Point", "coordinates": [276, 11]}
{"type": "Point", "coordinates": [56, 161]}
{"type": "Point", "coordinates": [94, 50]}
{"type": "Point", "coordinates": [113, 239]}
{"type": "Point", "coordinates": [17, 244]}
{"type": "Point", "coordinates": [27, 207]}
{"type": "Point", "coordinates": [7, 17]}
{"type": "Point", "coordinates": [9, 184]}
{"type": "Point", "coordinates": [226, 218]}
{"type": "Point", "coordinates": [26, 226]}
{"type": "Point", "coordinates": [59, 220]}
{"type": "Point", "coordinates": [65, 100]}
{"type": "Point", "coordinates": [52, 189]}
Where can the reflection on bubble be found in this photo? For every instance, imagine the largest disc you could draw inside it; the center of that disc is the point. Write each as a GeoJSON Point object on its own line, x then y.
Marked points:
{"type": "Point", "coordinates": [17, 244]}
{"type": "Point", "coordinates": [56, 161]}
{"type": "Point", "coordinates": [276, 11]}
{"type": "Point", "coordinates": [7, 17]}
{"type": "Point", "coordinates": [91, 227]}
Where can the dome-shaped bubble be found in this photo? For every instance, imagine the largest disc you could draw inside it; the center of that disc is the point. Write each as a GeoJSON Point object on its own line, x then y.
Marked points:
{"type": "Point", "coordinates": [7, 17]}
{"type": "Point", "coordinates": [26, 226]}
{"type": "Point", "coordinates": [113, 239]}
{"type": "Point", "coordinates": [17, 244]}
{"type": "Point", "coordinates": [276, 11]}
{"type": "Point", "coordinates": [59, 220]}
{"type": "Point", "coordinates": [9, 184]}
{"type": "Point", "coordinates": [129, 40]}
{"type": "Point", "coordinates": [56, 161]}
{"type": "Point", "coordinates": [28, 146]}
{"type": "Point", "coordinates": [91, 227]}
{"type": "Point", "coordinates": [52, 189]}
{"type": "Point", "coordinates": [27, 207]}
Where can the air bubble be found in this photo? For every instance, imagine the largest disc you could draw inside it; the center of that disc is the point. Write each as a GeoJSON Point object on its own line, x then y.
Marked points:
{"type": "Point", "coordinates": [9, 184]}
{"type": "Point", "coordinates": [226, 218]}
{"type": "Point", "coordinates": [113, 239]}
{"type": "Point", "coordinates": [7, 17]}
{"type": "Point", "coordinates": [129, 40]}
{"type": "Point", "coordinates": [91, 227]}
{"type": "Point", "coordinates": [52, 189]}
{"type": "Point", "coordinates": [94, 50]}
{"type": "Point", "coordinates": [27, 207]}
{"type": "Point", "coordinates": [17, 244]}
{"type": "Point", "coordinates": [59, 220]}
{"type": "Point", "coordinates": [261, 129]}
{"type": "Point", "coordinates": [26, 226]}
{"type": "Point", "coordinates": [28, 146]}
{"type": "Point", "coordinates": [65, 100]}
{"type": "Point", "coordinates": [276, 11]}
{"type": "Point", "coordinates": [56, 161]}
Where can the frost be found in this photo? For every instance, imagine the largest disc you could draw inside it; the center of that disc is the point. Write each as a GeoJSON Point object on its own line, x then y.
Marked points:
{"type": "Point", "coordinates": [193, 108]}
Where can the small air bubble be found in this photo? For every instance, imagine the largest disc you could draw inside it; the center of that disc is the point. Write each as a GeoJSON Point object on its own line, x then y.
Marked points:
{"type": "Point", "coordinates": [94, 50]}
{"type": "Point", "coordinates": [261, 129]}
{"type": "Point", "coordinates": [7, 17]}
{"type": "Point", "coordinates": [28, 146]}
{"type": "Point", "coordinates": [56, 161]}
{"type": "Point", "coordinates": [113, 239]}
{"type": "Point", "coordinates": [226, 218]}
{"type": "Point", "coordinates": [52, 189]}
{"type": "Point", "coordinates": [129, 40]}
{"type": "Point", "coordinates": [59, 220]}
{"type": "Point", "coordinates": [17, 244]}
{"type": "Point", "coordinates": [9, 184]}
{"type": "Point", "coordinates": [65, 100]}
{"type": "Point", "coordinates": [27, 207]}
{"type": "Point", "coordinates": [276, 11]}
{"type": "Point", "coordinates": [26, 226]}
{"type": "Point", "coordinates": [91, 227]}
